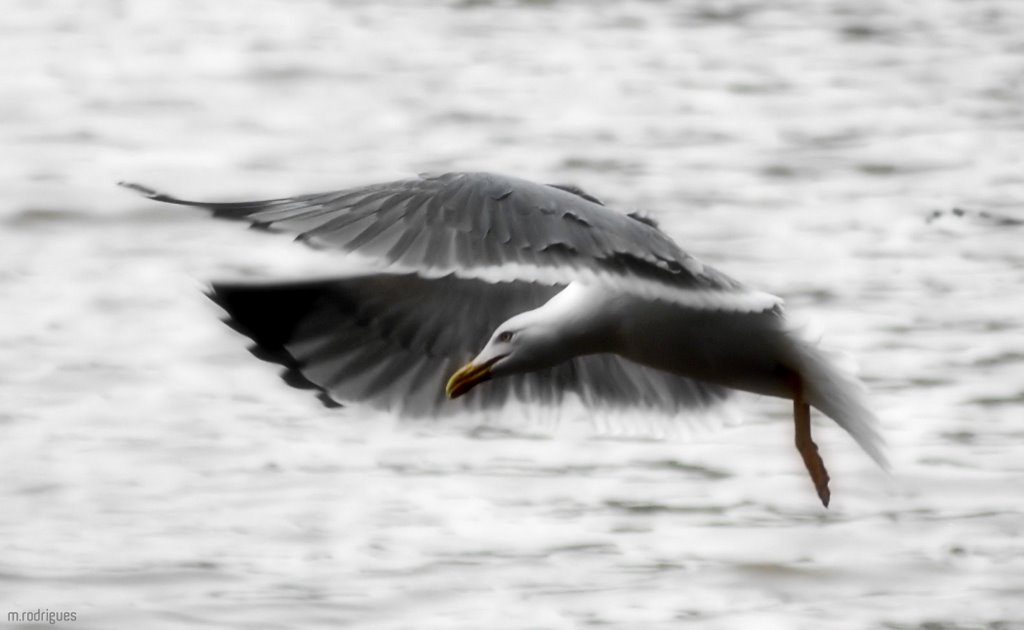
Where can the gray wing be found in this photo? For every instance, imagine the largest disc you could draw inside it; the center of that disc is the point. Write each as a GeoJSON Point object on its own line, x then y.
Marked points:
{"type": "Point", "coordinates": [498, 228]}
{"type": "Point", "coordinates": [393, 340]}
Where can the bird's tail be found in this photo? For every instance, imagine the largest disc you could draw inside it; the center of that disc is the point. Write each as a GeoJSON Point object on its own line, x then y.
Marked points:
{"type": "Point", "coordinates": [831, 386]}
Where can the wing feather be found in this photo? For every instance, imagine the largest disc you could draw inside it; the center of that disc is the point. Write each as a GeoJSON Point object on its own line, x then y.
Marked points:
{"type": "Point", "coordinates": [392, 341]}
{"type": "Point", "coordinates": [498, 220]}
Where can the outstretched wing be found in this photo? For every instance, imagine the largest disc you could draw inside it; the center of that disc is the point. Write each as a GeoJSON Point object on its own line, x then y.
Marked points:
{"type": "Point", "coordinates": [393, 340]}
{"type": "Point", "coordinates": [498, 228]}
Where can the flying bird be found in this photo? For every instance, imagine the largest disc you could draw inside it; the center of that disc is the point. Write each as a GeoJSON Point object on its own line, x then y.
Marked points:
{"type": "Point", "coordinates": [544, 289]}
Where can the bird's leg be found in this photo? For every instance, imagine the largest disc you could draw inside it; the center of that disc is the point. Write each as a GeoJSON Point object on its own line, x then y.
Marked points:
{"type": "Point", "coordinates": [805, 443]}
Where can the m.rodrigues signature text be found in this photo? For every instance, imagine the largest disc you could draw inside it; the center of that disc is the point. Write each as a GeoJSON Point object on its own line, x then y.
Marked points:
{"type": "Point", "coordinates": [42, 614]}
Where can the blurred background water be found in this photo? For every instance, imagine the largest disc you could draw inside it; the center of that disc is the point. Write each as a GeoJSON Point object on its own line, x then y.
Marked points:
{"type": "Point", "coordinates": [153, 474]}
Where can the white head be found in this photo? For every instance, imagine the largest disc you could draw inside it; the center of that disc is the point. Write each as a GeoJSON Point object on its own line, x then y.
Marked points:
{"type": "Point", "coordinates": [563, 328]}
{"type": "Point", "coordinates": [522, 344]}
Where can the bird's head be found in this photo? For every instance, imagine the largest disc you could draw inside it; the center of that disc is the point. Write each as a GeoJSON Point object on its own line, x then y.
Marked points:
{"type": "Point", "coordinates": [519, 345]}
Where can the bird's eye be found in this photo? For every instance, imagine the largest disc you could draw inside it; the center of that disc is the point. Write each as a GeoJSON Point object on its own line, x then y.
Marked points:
{"type": "Point", "coordinates": [505, 336]}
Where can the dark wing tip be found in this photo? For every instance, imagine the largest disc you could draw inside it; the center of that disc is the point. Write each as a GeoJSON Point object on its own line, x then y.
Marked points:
{"type": "Point", "coordinates": [150, 193]}
{"type": "Point", "coordinates": [145, 191]}
{"type": "Point", "coordinates": [269, 314]}
{"type": "Point", "coordinates": [327, 401]}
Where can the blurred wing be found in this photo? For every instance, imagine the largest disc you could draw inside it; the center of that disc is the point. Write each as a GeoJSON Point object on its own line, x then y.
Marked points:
{"type": "Point", "coordinates": [393, 340]}
{"type": "Point", "coordinates": [497, 228]}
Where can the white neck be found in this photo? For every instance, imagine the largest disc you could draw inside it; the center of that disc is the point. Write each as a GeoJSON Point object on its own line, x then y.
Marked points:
{"type": "Point", "coordinates": [579, 317]}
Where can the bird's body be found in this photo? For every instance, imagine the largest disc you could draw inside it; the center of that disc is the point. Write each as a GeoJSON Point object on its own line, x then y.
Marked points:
{"type": "Point", "coordinates": [551, 291]}
{"type": "Point", "coordinates": [739, 350]}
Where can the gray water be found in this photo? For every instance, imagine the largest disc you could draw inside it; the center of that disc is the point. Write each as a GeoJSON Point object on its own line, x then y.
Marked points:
{"type": "Point", "coordinates": [154, 475]}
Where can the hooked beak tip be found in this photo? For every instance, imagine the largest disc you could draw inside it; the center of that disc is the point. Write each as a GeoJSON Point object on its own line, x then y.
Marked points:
{"type": "Point", "coordinates": [466, 378]}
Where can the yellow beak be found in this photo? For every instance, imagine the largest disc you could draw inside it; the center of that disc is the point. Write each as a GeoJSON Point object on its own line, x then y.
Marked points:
{"type": "Point", "coordinates": [467, 377]}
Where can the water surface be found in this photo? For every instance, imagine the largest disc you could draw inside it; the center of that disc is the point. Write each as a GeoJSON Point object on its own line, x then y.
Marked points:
{"type": "Point", "coordinates": [153, 474]}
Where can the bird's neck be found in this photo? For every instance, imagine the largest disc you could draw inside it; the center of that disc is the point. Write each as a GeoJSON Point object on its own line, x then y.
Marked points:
{"type": "Point", "coordinates": [580, 319]}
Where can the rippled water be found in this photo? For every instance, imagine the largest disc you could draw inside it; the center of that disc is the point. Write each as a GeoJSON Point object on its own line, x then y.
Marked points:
{"type": "Point", "coordinates": [153, 474]}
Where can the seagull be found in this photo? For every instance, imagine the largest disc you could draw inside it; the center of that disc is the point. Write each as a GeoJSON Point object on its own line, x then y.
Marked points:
{"type": "Point", "coordinates": [546, 291]}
